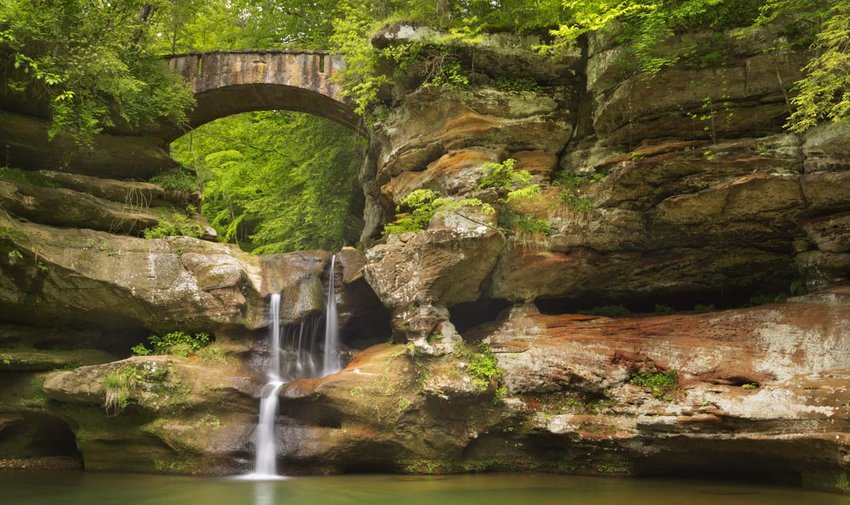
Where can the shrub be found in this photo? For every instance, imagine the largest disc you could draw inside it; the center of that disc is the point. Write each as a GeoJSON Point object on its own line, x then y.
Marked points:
{"type": "Point", "coordinates": [177, 343]}
{"type": "Point", "coordinates": [422, 205]}
{"type": "Point", "coordinates": [482, 365]}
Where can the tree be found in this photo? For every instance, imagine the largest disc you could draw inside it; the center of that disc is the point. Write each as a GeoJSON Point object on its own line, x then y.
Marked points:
{"type": "Point", "coordinates": [91, 61]}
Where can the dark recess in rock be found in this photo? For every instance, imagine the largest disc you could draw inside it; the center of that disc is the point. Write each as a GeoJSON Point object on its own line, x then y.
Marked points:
{"type": "Point", "coordinates": [468, 315]}
{"type": "Point", "coordinates": [720, 298]}
{"type": "Point", "coordinates": [35, 435]}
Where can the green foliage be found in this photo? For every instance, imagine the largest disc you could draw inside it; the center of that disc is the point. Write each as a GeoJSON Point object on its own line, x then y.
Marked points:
{"type": "Point", "coordinates": [607, 311]}
{"type": "Point", "coordinates": [504, 176]}
{"type": "Point", "coordinates": [664, 309]}
{"type": "Point", "coordinates": [750, 385]}
{"type": "Point", "coordinates": [178, 226]}
{"type": "Point", "coordinates": [176, 180]}
{"type": "Point", "coordinates": [701, 308]}
{"type": "Point", "coordinates": [658, 383]}
{"type": "Point", "coordinates": [482, 365]}
{"type": "Point", "coordinates": [824, 92]}
{"type": "Point", "coordinates": [140, 350]}
{"type": "Point", "coordinates": [93, 62]}
{"type": "Point", "coordinates": [421, 205]}
{"type": "Point", "coordinates": [274, 181]}
{"type": "Point", "coordinates": [177, 343]}
{"type": "Point", "coordinates": [645, 25]}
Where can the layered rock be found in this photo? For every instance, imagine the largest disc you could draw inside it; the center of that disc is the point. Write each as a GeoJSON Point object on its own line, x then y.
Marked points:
{"type": "Point", "coordinates": [755, 392]}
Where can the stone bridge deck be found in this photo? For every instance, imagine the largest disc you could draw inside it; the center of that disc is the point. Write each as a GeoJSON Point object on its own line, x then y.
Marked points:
{"type": "Point", "coordinates": [227, 83]}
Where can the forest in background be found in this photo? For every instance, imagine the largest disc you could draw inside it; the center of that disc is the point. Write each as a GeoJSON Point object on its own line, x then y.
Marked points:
{"type": "Point", "coordinates": [271, 180]}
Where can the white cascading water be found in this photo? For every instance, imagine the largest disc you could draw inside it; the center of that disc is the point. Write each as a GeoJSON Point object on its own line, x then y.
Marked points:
{"type": "Point", "coordinates": [299, 348]}
{"type": "Point", "coordinates": [331, 362]}
{"type": "Point", "coordinates": [265, 462]}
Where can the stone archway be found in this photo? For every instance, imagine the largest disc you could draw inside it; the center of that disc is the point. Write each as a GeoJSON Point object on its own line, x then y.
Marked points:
{"type": "Point", "coordinates": [228, 83]}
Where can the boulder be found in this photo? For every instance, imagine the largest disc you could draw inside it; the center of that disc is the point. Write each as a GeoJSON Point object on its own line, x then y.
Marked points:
{"type": "Point", "coordinates": [102, 280]}
{"type": "Point", "coordinates": [442, 266]}
{"type": "Point", "coordinates": [158, 414]}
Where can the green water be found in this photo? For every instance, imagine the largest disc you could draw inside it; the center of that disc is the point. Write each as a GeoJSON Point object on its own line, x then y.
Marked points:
{"type": "Point", "coordinates": [78, 488]}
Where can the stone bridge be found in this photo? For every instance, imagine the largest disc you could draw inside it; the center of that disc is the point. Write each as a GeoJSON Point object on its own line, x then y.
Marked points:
{"type": "Point", "coordinates": [227, 83]}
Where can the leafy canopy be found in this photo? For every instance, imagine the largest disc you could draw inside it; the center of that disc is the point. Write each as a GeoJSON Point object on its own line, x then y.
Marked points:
{"type": "Point", "coordinates": [275, 181]}
{"type": "Point", "coordinates": [92, 62]}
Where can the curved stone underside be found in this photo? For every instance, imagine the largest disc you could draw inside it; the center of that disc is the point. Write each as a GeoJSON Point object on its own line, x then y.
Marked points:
{"type": "Point", "coordinates": [228, 83]}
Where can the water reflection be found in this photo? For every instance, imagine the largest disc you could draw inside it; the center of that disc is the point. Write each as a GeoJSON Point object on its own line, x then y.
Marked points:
{"type": "Point", "coordinates": [264, 492]}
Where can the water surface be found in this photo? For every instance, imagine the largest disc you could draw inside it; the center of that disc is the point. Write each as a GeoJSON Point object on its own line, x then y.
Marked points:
{"type": "Point", "coordinates": [81, 488]}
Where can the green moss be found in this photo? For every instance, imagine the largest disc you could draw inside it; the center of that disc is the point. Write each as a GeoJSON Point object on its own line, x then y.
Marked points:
{"type": "Point", "coordinates": [833, 480]}
{"type": "Point", "coordinates": [518, 84]}
{"type": "Point", "coordinates": [25, 177]}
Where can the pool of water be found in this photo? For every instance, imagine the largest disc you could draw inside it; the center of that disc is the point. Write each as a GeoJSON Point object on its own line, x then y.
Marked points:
{"type": "Point", "coordinates": [80, 488]}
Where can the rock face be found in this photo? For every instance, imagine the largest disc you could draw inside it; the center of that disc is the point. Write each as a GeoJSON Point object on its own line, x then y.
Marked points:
{"type": "Point", "coordinates": [754, 392]}
{"type": "Point", "coordinates": [116, 156]}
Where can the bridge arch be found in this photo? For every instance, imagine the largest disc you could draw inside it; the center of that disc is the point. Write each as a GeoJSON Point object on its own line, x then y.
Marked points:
{"type": "Point", "coordinates": [226, 83]}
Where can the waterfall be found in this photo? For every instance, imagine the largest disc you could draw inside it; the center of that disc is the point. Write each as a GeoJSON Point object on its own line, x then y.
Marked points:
{"type": "Point", "coordinates": [265, 444]}
{"type": "Point", "coordinates": [293, 354]}
{"type": "Point", "coordinates": [331, 362]}
{"type": "Point", "coordinates": [265, 462]}
{"type": "Point", "coordinates": [273, 371]}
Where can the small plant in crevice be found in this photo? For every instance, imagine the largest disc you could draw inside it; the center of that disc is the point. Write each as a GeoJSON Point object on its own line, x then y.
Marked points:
{"type": "Point", "coordinates": [571, 195]}
{"type": "Point", "coordinates": [482, 366]}
{"type": "Point", "coordinates": [516, 191]}
{"type": "Point", "coordinates": [117, 386]}
{"type": "Point", "coordinates": [660, 384]}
